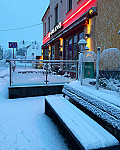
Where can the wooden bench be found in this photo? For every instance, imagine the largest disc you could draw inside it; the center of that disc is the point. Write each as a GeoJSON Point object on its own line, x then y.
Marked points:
{"type": "Point", "coordinates": [103, 112]}
{"type": "Point", "coordinates": [86, 134]}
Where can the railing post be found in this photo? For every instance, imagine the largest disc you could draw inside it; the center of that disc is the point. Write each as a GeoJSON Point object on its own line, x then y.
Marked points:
{"type": "Point", "coordinates": [46, 81]}
{"type": "Point", "coordinates": [97, 68]}
{"type": "Point", "coordinates": [76, 70]}
{"type": "Point", "coordinates": [10, 72]}
{"type": "Point", "coordinates": [80, 67]}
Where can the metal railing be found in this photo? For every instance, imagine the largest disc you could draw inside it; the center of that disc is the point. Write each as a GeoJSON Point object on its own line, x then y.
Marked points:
{"type": "Point", "coordinates": [41, 72]}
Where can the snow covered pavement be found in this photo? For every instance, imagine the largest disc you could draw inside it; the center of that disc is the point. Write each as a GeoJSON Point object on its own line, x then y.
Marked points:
{"type": "Point", "coordinates": [23, 124]}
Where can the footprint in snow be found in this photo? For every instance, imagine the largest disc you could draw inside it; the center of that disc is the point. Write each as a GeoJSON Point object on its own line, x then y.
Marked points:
{"type": "Point", "coordinates": [22, 132]}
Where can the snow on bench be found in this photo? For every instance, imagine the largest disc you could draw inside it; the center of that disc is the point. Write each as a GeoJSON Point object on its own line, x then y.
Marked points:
{"type": "Point", "coordinates": [101, 108]}
{"type": "Point", "coordinates": [88, 133]}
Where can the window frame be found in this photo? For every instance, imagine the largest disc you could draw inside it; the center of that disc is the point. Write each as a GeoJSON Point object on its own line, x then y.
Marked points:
{"type": "Point", "coordinates": [78, 1]}
{"type": "Point", "coordinates": [70, 5]}
{"type": "Point", "coordinates": [48, 24]}
{"type": "Point", "coordinates": [45, 29]}
{"type": "Point", "coordinates": [56, 14]}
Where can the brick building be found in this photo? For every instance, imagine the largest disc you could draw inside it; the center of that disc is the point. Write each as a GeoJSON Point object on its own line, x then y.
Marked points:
{"type": "Point", "coordinates": [65, 22]}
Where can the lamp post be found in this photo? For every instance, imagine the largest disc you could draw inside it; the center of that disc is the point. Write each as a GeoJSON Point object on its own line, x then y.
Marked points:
{"type": "Point", "coordinates": [82, 44]}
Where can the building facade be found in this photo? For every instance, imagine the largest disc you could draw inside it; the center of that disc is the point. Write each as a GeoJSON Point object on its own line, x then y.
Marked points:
{"type": "Point", "coordinates": [65, 22]}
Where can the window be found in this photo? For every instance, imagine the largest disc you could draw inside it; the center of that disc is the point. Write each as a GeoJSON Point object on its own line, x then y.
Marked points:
{"type": "Point", "coordinates": [70, 49]}
{"type": "Point", "coordinates": [56, 14]}
{"type": "Point", "coordinates": [81, 35]}
{"type": "Point", "coordinates": [75, 47]}
{"type": "Point", "coordinates": [52, 52]}
{"type": "Point", "coordinates": [78, 1]}
{"type": "Point", "coordinates": [44, 29]}
{"type": "Point", "coordinates": [48, 24]}
{"type": "Point", "coordinates": [69, 5]}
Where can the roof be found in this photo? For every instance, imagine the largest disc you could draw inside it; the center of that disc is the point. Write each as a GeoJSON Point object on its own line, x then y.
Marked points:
{"type": "Point", "coordinates": [46, 12]}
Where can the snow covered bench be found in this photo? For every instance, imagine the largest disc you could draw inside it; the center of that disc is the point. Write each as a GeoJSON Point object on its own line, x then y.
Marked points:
{"type": "Point", "coordinates": [85, 131]}
{"type": "Point", "coordinates": [104, 112]}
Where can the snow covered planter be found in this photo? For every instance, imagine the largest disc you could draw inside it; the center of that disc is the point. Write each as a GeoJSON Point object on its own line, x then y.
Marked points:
{"type": "Point", "coordinates": [105, 112]}
{"type": "Point", "coordinates": [110, 84]}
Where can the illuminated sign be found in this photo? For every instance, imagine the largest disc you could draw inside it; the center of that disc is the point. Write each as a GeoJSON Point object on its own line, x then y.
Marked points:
{"type": "Point", "coordinates": [55, 29]}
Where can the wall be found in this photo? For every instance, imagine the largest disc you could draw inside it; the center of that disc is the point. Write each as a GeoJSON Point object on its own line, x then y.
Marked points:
{"type": "Point", "coordinates": [107, 24]}
{"type": "Point", "coordinates": [62, 11]}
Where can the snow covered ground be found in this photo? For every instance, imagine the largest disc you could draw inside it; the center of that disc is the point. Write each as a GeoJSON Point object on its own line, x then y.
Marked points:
{"type": "Point", "coordinates": [23, 124]}
{"type": "Point", "coordinates": [30, 76]}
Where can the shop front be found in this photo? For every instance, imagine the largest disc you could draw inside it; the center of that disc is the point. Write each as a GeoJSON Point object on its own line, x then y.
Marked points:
{"type": "Point", "coordinates": [62, 42]}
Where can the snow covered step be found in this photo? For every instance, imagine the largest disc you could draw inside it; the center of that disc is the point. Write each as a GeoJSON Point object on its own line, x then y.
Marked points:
{"type": "Point", "coordinates": [88, 133]}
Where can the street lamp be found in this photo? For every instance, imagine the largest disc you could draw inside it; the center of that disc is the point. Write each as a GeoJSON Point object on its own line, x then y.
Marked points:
{"type": "Point", "coordinates": [82, 44]}
{"type": "Point", "coordinates": [86, 48]}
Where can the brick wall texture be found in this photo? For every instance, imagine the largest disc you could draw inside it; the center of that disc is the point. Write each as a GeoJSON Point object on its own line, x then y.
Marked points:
{"type": "Point", "coordinates": [107, 24]}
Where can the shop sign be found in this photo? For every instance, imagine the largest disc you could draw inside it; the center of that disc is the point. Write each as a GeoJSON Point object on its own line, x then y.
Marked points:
{"type": "Point", "coordinates": [55, 29]}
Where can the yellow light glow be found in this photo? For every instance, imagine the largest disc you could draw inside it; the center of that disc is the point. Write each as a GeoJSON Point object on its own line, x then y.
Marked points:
{"type": "Point", "coordinates": [49, 51]}
{"type": "Point", "coordinates": [91, 11]}
{"type": "Point", "coordinates": [42, 55]}
{"type": "Point", "coordinates": [88, 32]}
{"type": "Point", "coordinates": [61, 44]}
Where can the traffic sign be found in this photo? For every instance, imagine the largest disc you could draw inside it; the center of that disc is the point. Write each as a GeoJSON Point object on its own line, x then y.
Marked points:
{"type": "Point", "coordinates": [12, 44]}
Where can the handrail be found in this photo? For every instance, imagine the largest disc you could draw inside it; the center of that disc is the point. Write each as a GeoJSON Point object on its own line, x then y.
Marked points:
{"type": "Point", "coordinates": [47, 65]}
{"type": "Point", "coordinates": [34, 60]}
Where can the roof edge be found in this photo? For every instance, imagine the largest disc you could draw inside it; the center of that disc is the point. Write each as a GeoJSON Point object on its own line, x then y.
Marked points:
{"type": "Point", "coordinates": [46, 12]}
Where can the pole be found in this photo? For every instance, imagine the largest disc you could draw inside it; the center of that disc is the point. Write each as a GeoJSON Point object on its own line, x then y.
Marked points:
{"type": "Point", "coordinates": [76, 70]}
{"type": "Point", "coordinates": [46, 81]}
{"type": "Point", "coordinates": [10, 73]}
{"type": "Point", "coordinates": [25, 61]}
{"type": "Point", "coordinates": [81, 68]}
{"type": "Point", "coordinates": [97, 68]}
{"type": "Point", "coordinates": [13, 53]}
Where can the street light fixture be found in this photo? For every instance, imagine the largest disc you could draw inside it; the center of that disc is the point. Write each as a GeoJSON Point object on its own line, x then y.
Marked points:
{"type": "Point", "coordinates": [82, 45]}
{"type": "Point", "coordinates": [86, 48]}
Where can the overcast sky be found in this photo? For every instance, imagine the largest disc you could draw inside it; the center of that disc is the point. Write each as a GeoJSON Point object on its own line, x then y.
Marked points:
{"type": "Point", "coordinates": [21, 13]}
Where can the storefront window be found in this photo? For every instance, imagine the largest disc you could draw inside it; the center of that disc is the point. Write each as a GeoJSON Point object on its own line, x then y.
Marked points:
{"type": "Point", "coordinates": [45, 55]}
{"type": "Point", "coordinates": [70, 49]}
{"type": "Point", "coordinates": [81, 35]}
{"type": "Point", "coordinates": [66, 49]}
{"type": "Point", "coordinates": [66, 53]}
{"type": "Point", "coordinates": [52, 52]}
{"type": "Point", "coordinates": [75, 47]}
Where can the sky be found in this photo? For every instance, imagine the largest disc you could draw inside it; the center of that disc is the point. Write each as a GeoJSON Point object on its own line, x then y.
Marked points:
{"type": "Point", "coordinates": [21, 13]}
